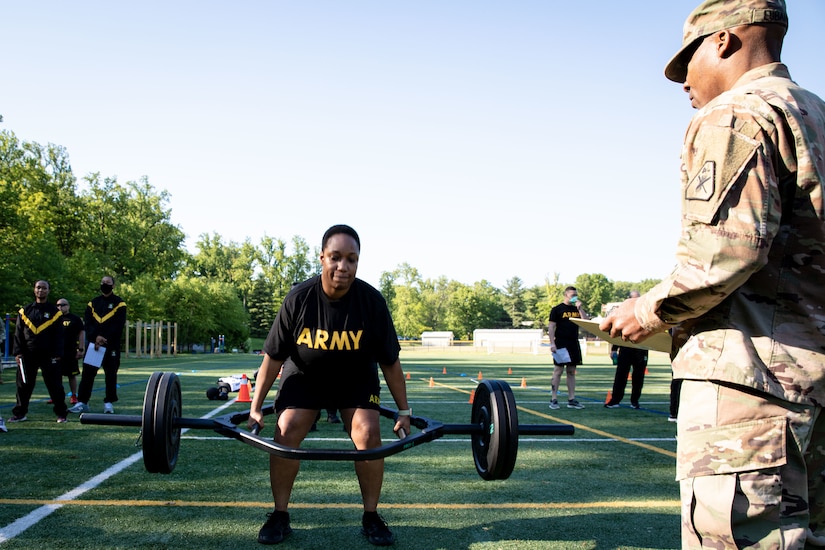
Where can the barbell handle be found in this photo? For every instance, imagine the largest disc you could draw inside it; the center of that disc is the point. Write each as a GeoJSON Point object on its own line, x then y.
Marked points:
{"type": "Point", "coordinates": [256, 429]}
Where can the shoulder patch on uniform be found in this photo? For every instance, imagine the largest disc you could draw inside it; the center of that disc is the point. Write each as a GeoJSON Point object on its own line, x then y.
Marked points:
{"type": "Point", "coordinates": [703, 184]}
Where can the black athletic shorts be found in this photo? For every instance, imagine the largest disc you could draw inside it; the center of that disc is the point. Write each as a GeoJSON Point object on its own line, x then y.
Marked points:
{"type": "Point", "coordinates": [302, 390]}
{"type": "Point", "coordinates": [69, 366]}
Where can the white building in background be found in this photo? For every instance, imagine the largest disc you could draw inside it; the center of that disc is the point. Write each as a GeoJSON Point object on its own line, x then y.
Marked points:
{"type": "Point", "coordinates": [504, 340]}
{"type": "Point", "coordinates": [437, 339]}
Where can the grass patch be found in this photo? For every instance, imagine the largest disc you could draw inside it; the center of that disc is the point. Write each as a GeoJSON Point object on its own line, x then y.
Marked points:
{"type": "Point", "coordinates": [608, 486]}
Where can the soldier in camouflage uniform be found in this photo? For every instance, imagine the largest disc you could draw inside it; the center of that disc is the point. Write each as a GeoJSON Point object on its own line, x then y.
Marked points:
{"type": "Point", "coordinates": [747, 292]}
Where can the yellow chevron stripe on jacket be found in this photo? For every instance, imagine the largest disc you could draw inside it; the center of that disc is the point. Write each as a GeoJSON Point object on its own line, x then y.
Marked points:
{"type": "Point", "coordinates": [35, 329]}
{"type": "Point", "coordinates": [108, 316]}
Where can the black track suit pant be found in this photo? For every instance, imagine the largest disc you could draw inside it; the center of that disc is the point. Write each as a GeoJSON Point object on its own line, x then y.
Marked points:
{"type": "Point", "coordinates": [52, 377]}
{"type": "Point", "coordinates": [110, 366]}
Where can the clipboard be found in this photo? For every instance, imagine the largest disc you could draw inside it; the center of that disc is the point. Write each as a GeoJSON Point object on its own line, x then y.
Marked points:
{"type": "Point", "coordinates": [94, 357]}
{"type": "Point", "coordinates": [660, 341]}
{"type": "Point", "coordinates": [561, 356]}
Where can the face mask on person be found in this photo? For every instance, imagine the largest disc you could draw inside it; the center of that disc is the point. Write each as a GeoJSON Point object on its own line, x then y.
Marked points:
{"type": "Point", "coordinates": [105, 289]}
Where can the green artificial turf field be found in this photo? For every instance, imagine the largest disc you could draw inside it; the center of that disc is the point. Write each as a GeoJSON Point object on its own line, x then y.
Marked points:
{"type": "Point", "coordinates": [610, 485]}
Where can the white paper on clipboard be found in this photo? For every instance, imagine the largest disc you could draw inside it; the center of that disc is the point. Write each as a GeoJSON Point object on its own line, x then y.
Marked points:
{"type": "Point", "coordinates": [658, 342]}
{"type": "Point", "coordinates": [94, 357]}
{"type": "Point", "coordinates": [561, 356]}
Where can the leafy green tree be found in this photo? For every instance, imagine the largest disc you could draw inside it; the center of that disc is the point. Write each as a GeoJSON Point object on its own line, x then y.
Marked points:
{"type": "Point", "coordinates": [513, 301]}
{"type": "Point", "coordinates": [536, 306]}
{"type": "Point", "coordinates": [143, 298]}
{"type": "Point", "coordinates": [595, 290]}
{"type": "Point", "coordinates": [406, 307]}
{"type": "Point", "coordinates": [128, 228]}
{"type": "Point", "coordinates": [473, 308]}
{"type": "Point", "coordinates": [205, 309]}
{"type": "Point", "coordinates": [262, 307]}
{"type": "Point", "coordinates": [230, 263]}
{"type": "Point", "coordinates": [36, 217]}
{"type": "Point", "coordinates": [435, 300]}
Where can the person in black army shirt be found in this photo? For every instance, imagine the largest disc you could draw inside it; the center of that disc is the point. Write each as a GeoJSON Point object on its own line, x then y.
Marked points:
{"type": "Point", "coordinates": [329, 336]}
{"type": "Point", "coordinates": [564, 334]}
{"type": "Point", "coordinates": [104, 319]}
{"type": "Point", "coordinates": [38, 344]}
{"type": "Point", "coordinates": [74, 338]}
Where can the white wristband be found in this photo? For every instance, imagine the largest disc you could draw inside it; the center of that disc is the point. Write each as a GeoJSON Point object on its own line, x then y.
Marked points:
{"type": "Point", "coordinates": [404, 412]}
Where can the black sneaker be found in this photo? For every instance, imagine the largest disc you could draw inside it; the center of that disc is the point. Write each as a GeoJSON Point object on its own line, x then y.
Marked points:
{"type": "Point", "coordinates": [275, 529]}
{"type": "Point", "coordinates": [634, 406]}
{"type": "Point", "coordinates": [375, 529]}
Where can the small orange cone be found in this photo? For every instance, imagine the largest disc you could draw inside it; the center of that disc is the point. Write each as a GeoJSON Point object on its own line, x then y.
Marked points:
{"type": "Point", "coordinates": [629, 375]}
{"type": "Point", "coordinates": [510, 370]}
{"type": "Point", "coordinates": [432, 382]}
{"type": "Point", "coordinates": [523, 382]}
{"type": "Point", "coordinates": [243, 392]}
{"type": "Point", "coordinates": [472, 396]}
{"type": "Point", "coordinates": [646, 371]}
{"type": "Point", "coordinates": [479, 375]}
{"type": "Point", "coordinates": [444, 371]}
{"type": "Point", "coordinates": [408, 376]}
{"type": "Point", "coordinates": [609, 397]}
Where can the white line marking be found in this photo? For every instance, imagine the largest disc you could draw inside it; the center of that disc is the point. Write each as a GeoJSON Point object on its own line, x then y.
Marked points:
{"type": "Point", "coordinates": [18, 526]}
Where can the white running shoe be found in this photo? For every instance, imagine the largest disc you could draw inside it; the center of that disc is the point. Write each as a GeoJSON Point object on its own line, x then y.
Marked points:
{"type": "Point", "coordinates": [3, 427]}
{"type": "Point", "coordinates": [81, 407]}
{"type": "Point", "coordinates": [108, 408]}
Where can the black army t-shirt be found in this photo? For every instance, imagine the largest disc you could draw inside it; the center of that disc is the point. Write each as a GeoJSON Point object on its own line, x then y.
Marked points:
{"type": "Point", "coordinates": [333, 337]}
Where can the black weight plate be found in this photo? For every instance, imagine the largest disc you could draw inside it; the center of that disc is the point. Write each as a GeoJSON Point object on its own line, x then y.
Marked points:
{"type": "Point", "coordinates": [166, 430]}
{"type": "Point", "coordinates": [147, 423]}
{"type": "Point", "coordinates": [489, 414]}
{"type": "Point", "coordinates": [508, 431]}
{"type": "Point", "coordinates": [496, 448]}
{"type": "Point", "coordinates": [481, 416]}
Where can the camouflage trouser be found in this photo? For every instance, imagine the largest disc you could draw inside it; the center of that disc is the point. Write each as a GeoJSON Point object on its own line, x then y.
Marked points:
{"type": "Point", "coordinates": [751, 469]}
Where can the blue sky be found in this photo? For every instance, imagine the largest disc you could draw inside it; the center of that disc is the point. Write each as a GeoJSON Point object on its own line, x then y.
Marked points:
{"type": "Point", "coordinates": [470, 139]}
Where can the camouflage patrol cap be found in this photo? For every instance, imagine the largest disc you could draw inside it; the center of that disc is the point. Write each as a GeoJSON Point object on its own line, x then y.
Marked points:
{"type": "Point", "coordinates": [717, 15]}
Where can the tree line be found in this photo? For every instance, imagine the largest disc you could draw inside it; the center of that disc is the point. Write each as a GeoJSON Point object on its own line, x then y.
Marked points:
{"type": "Point", "coordinates": [51, 228]}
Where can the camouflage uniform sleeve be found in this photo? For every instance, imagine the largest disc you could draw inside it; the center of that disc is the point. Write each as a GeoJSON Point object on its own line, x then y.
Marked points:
{"type": "Point", "coordinates": [731, 207]}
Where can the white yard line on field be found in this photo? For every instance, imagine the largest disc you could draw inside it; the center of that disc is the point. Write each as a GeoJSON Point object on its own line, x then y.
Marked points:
{"type": "Point", "coordinates": [18, 526]}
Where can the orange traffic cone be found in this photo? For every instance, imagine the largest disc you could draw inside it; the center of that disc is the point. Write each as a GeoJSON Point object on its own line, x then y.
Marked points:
{"type": "Point", "coordinates": [408, 376]}
{"type": "Point", "coordinates": [510, 370]}
{"type": "Point", "coordinates": [432, 382]}
{"type": "Point", "coordinates": [243, 392]}
{"type": "Point", "coordinates": [479, 375]}
{"type": "Point", "coordinates": [523, 382]}
{"type": "Point", "coordinates": [609, 397]}
{"type": "Point", "coordinates": [444, 370]}
{"type": "Point", "coordinates": [472, 396]}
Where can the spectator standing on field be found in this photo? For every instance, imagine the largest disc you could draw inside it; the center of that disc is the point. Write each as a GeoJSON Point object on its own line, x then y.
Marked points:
{"type": "Point", "coordinates": [628, 358]}
{"type": "Point", "coordinates": [564, 335]}
{"type": "Point", "coordinates": [74, 338]}
{"type": "Point", "coordinates": [747, 287]}
{"type": "Point", "coordinates": [38, 345]}
{"type": "Point", "coordinates": [104, 321]}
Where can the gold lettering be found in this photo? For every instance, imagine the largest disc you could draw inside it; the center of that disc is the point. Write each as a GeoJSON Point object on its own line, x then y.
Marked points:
{"type": "Point", "coordinates": [356, 338]}
{"type": "Point", "coordinates": [321, 337]}
{"type": "Point", "coordinates": [304, 338]}
{"type": "Point", "coordinates": [339, 341]}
